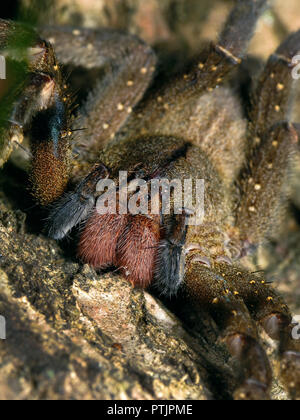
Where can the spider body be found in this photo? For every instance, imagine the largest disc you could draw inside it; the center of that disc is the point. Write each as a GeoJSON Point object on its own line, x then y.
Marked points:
{"type": "Point", "coordinates": [188, 128]}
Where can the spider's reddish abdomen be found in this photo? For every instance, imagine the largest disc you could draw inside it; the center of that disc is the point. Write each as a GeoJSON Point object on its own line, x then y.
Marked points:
{"type": "Point", "coordinates": [127, 242]}
{"type": "Point", "coordinates": [137, 248]}
{"type": "Point", "coordinates": [98, 242]}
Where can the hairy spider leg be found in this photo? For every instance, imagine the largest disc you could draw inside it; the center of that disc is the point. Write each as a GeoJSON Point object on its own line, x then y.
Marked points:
{"type": "Point", "coordinates": [263, 188]}
{"type": "Point", "coordinates": [170, 259]}
{"type": "Point", "coordinates": [213, 65]}
{"type": "Point", "coordinates": [214, 292]}
{"type": "Point", "coordinates": [263, 184]}
{"type": "Point", "coordinates": [268, 308]}
{"type": "Point", "coordinates": [272, 96]}
{"type": "Point", "coordinates": [41, 109]}
{"type": "Point", "coordinates": [129, 66]}
{"type": "Point", "coordinates": [75, 206]}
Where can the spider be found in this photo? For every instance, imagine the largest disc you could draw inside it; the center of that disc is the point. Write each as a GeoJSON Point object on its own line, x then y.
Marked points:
{"type": "Point", "coordinates": [190, 127]}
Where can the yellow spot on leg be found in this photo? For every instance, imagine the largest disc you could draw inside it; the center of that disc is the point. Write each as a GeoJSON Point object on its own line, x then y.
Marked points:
{"type": "Point", "coordinates": [279, 87]}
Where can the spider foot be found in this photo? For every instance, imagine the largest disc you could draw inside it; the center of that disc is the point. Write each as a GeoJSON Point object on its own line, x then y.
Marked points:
{"type": "Point", "coordinates": [252, 390]}
{"type": "Point", "coordinates": [279, 328]}
{"type": "Point", "coordinates": [256, 382]}
{"type": "Point", "coordinates": [290, 373]}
